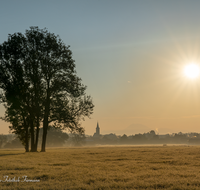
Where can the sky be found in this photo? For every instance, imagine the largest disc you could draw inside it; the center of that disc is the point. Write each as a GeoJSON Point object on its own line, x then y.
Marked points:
{"type": "Point", "coordinates": [130, 54]}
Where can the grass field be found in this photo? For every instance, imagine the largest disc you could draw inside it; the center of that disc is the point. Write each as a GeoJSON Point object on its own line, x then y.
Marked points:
{"type": "Point", "coordinates": [125, 167]}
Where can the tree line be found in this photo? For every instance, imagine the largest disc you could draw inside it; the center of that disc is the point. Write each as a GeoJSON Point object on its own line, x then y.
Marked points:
{"type": "Point", "coordinates": [39, 86]}
{"type": "Point", "coordinates": [150, 137]}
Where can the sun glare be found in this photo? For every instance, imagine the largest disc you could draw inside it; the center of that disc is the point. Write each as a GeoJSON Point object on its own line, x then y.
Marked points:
{"type": "Point", "coordinates": [191, 70]}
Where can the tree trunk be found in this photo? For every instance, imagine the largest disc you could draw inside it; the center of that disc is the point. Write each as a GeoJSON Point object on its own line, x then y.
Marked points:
{"type": "Point", "coordinates": [37, 133]}
{"type": "Point", "coordinates": [45, 127]}
{"type": "Point", "coordinates": [32, 136]}
{"type": "Point", "coordinates": [45, 121]}
{"type": "Point", "coordinates": [44, 139]}
{"type": "Point", "coordinates": [27, 140]}
{"type": "Point", "coordinates": [26, 134]}
{"type": "Point", "coordinates": [36, 100]}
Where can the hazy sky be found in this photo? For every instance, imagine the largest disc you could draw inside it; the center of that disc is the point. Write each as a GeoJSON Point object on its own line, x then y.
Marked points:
{"type": "Point", "coordinates": [129, 53]}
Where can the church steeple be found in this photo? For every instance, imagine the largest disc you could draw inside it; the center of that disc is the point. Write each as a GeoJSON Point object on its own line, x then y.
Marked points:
{"type": "Point", "coordinates": [97, 129]}
{"type": "Point", "coordinates": [97, 134]}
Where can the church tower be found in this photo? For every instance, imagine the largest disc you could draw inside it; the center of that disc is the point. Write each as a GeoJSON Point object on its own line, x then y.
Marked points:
{"type": "Point", "coordinates": [97, 129]}
{"type": "Point", "coordinates": [97, 134]}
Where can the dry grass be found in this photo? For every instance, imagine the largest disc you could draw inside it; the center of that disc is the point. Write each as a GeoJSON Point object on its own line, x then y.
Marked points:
{"type": "Point", "coordinates": [152, 167]}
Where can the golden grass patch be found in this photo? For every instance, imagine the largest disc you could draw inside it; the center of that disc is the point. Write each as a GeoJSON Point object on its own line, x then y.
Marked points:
{"type": "Point", "coordinates": [131, 167]}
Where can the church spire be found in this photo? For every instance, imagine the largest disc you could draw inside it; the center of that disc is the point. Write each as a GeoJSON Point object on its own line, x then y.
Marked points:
{"type": "Point", "coordinates": [97, 134]}
{"type": "Point", "coordinates": [97, 129]}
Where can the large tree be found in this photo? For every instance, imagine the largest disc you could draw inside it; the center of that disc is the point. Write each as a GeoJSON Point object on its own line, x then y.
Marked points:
{"type": "Point", "coordinates": [40, 86]}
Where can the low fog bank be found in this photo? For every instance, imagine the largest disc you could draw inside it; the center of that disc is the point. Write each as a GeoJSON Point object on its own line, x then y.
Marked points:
{"type": "Point", "coordinates": [58, 138]}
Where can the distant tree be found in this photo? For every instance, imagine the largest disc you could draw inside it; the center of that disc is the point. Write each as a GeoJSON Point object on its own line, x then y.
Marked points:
{"type": "Point", "coordinates": [3, 140]}
{"type": "Point", "coordinates": [56, 137]}
{"type": "Point", "coordinates": [109, 139]}
{"type": "Point", "coordinates": [78, 139]}
{"type": "Point", "coordinates": [124, 139]}
{"type": "Point", "coordinates": [139, 138]}
{"type": "Point", "coordinates": [180, 138]}
{"type": "Point", "coordinates": [15, 143]}
{"type": "Point", "coordinates": [152, 132]}
{"type": "Point", "coordinates": [40, 86]}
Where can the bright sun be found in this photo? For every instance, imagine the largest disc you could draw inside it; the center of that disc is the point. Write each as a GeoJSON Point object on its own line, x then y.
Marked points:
{"type": "Point", "coordinates": [191, 70]}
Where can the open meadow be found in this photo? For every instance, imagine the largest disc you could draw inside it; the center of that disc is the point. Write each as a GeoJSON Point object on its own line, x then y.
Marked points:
{"type": "Point", "coordinates": [122, 167]}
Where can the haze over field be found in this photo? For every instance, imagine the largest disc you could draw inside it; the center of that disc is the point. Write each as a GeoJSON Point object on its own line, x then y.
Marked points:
{"type": "Point", "coordinates": [130, 54]}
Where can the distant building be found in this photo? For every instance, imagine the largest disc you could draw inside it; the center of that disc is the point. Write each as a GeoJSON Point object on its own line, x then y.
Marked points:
{"type": "Point", "coordinates": [97, 134]}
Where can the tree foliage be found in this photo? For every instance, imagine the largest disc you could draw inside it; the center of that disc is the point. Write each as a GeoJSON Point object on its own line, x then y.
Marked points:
{"type": "Point", "coordinates": [40, 86]}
